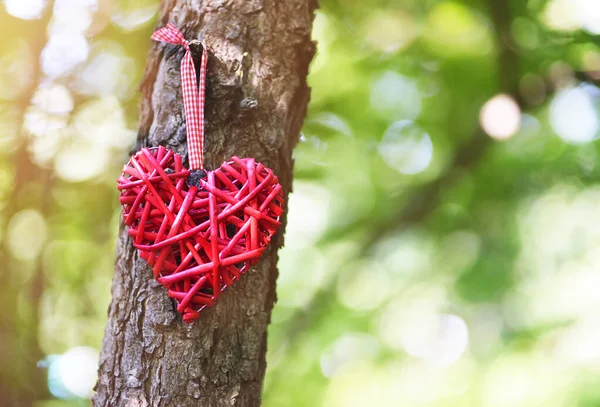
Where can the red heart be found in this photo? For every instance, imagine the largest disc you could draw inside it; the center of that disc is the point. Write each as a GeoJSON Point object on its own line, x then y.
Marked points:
{"type": "Point", "coordinates": [198, 240]}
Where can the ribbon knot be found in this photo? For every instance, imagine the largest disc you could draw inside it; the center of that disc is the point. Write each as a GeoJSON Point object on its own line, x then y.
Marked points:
{"type": "Point", "coordinates": [194, 93]}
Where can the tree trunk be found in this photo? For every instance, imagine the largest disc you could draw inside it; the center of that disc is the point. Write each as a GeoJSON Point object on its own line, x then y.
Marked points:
{"type": "Point", "coordinates": [259, 52]}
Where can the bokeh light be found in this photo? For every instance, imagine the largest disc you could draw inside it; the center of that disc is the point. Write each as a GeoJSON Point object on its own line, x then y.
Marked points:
{"type": "Point", "coordinates": [64, 52]}
{"type": "Point", "coordinates": [390, 31]}
{"type": "Point", "coordinates": [25, 9]}
{"type": "Point", "coordinates": [568, 15]}
{"type": "Point", "coordinates": [395, 96]}
{"type": "Point", "coordinates": [532, 88]}
{"type": "Point", "coordinates": [573, 115]}
{"type": "Point", "coordinates": [438, 340]}
{"type": "Point", "coordinates": [108, 72]}
{"type": "Point", "coordinates": [72, 16]}
{"type": "Point", "coordinates": [26, 234]}
{"type": "Point", "coordinates": [453, 28]}
{"type": "Point", "coordinates": [132, 15]}
{"type": "Point", "coordinates": [406, 147]}
{"type": "Point", "coordinates": [589, 14]}
{"type": "Point", "coordinates": [560, 15]}
{"type": "Point", "coordinates": [500, 117]}
{"type": "Point", "coordinates": [73, 374]}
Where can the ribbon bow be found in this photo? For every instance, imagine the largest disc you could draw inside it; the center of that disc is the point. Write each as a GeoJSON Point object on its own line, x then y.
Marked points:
{"type": "Point", "coordinates": [194, 96]}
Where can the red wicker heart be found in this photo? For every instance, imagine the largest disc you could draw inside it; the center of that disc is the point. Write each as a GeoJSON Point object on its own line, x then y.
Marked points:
{"type": "Point", "coordinates": [199, 240]}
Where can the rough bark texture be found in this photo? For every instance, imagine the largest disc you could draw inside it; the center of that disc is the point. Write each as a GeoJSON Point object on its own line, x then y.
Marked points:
{"type": "Point", "coordinates": [259, 51]}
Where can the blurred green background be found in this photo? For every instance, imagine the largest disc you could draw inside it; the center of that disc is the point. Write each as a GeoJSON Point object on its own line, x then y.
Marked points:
{"type": "Point", "coordinates": [443, 246]}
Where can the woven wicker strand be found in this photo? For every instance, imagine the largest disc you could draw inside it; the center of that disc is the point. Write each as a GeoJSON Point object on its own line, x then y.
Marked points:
{"type": "Point", "coordinates": [198, 240]}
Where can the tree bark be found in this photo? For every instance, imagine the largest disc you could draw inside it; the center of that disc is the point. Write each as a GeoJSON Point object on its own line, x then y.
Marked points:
{"type": "Point", "coordinates": [259, 51]}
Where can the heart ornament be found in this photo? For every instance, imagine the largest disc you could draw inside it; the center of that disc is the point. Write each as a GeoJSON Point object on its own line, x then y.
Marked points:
{"type": "Point", "coordinates": [199, 240]}
{"type": "Point", "coordinates": [199, 230]}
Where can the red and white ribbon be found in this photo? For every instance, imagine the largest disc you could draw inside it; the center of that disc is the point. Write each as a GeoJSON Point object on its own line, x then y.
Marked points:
{"type": "Point", "coordinates": [193, 96]}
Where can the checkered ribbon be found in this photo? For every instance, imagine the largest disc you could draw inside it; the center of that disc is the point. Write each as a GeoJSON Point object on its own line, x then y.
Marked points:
{"type": "Point", "coordinates": [193, 96]}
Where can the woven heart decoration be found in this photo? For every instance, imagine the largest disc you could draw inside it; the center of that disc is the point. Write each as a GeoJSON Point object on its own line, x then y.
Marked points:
{"type": "Point", "coordinates": [199, 230]}
{"type": "Point", "coordinates": [199, 240]}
